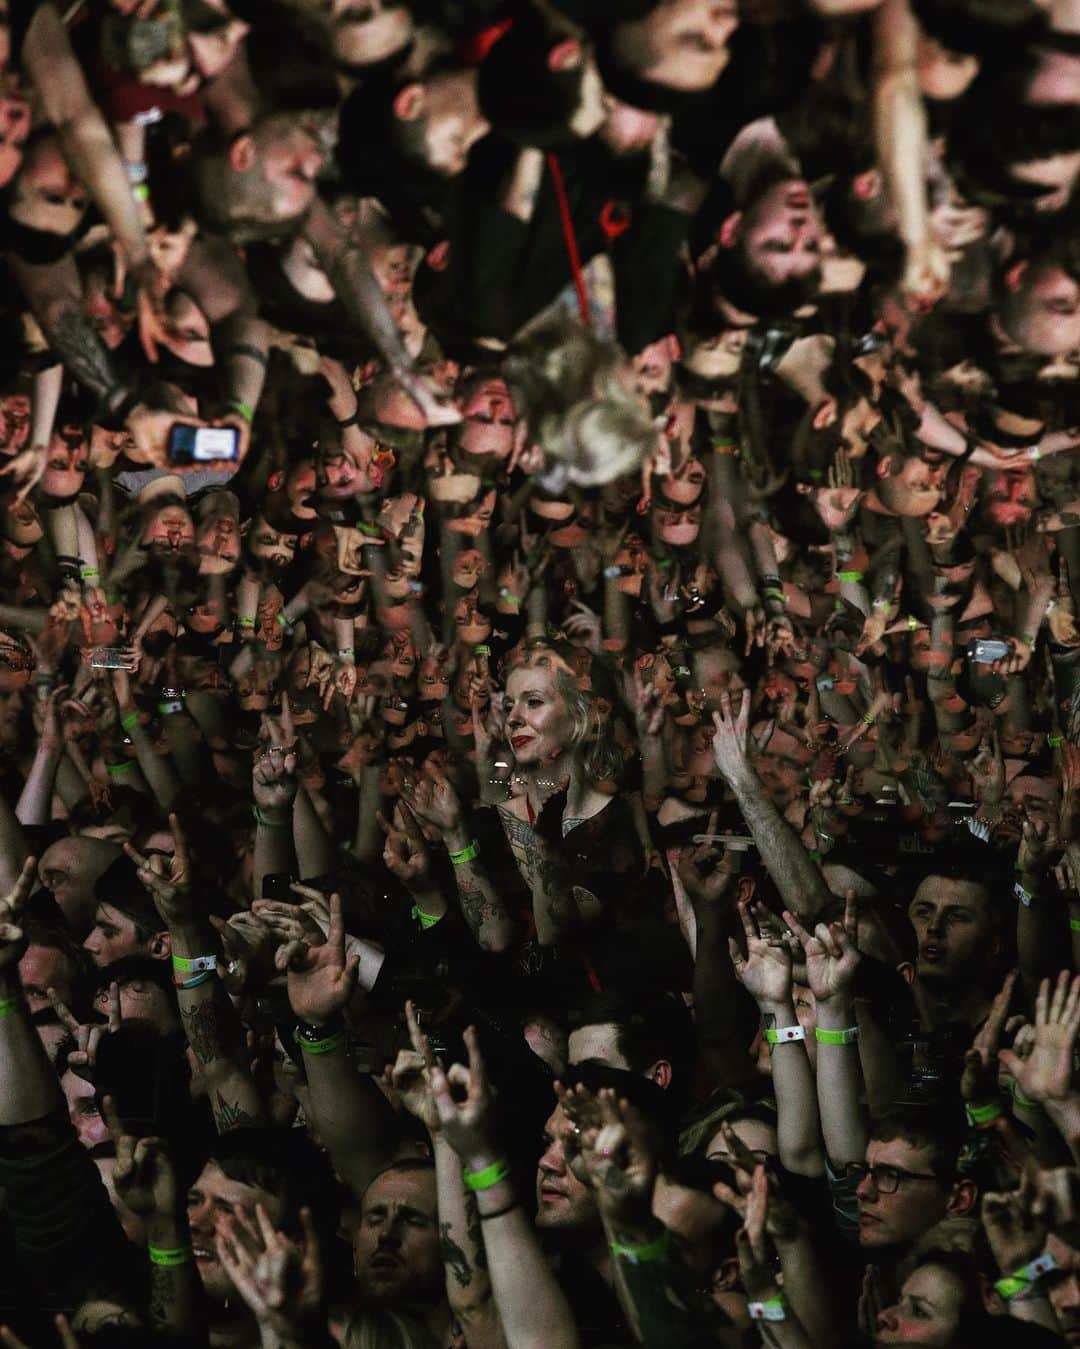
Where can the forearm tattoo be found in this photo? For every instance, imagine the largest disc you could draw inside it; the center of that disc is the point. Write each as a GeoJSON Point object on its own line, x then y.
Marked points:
{"type": "Point", "coordinates": [78, 345]}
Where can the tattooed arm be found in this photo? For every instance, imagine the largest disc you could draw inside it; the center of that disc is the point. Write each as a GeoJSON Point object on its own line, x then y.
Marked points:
{"type": "Point", "coordinates": [481, 907]}
{"type": "Point", "coordinates": [461, 1243]}
{"type": "Point", "coordinates": [54, 294]}
{"type": "Point", "coordinates": [554, 910]}
{"type": "Point", "coordinates": [216, 1036]}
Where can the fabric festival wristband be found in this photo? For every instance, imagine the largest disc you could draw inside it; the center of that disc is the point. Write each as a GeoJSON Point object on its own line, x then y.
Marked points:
{"type": "Point", "coordinates": [642, 1255]}
{"type": "Point", "coordinates": [118, 770]}
{"type": "Point", "coordinates": [836, 1037]}
{"type": "Point", "coordinates": [772, 1309]}
{"type": "Point", "coordinates": [466, 854]}
{"type": "Point", "coordinates": [1023, 1278]}
{"type": "Point", "coordinates": [849, 576]}
{"type": "Point", "coordinates": [244, 622]}
{"type": "Point", "coordinates": [141, 192]}
{"type": "Point", "coordinates": [90, 574]}
{"type": "Point", "coordinates": [8, 1005]}
{"type": "Point", "coordinates": [488, 1177]}
{"type": "Point", "coordinates": [784, 1035]}
{"type": "Point", "coordinates": [170, 708]}
{"type": "Point", "coordinates": [194, 964]}
{"type": "Point", "coordinates": [426, 920]}
{"type": "Point", "coordinates": [132, 719]}
{"type": "Point", "coordinates": [1024, 896]}
{"type": "Point", "coordinates": [979, 1116]}
{"type": "Point", "coordinates": [176, 1255]}
{"type": "Point", "coordinates": [320, 1046]}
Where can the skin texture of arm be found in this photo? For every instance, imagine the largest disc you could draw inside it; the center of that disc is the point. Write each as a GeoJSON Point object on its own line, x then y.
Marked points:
{"type": "Point", "coordinates": [88, 146]}
{"type": "Point", "coordinates": [461, 1240]}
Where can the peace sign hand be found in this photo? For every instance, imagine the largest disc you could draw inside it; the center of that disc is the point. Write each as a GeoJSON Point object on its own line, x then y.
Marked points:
{"type": "Point", "coordinates": [83, 1058]}
{"type": "Point", "coordinates": [170, 890]}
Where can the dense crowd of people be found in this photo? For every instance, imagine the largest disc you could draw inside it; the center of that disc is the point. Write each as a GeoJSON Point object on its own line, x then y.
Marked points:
{"type": "Point", "coordinates": [539, 723]}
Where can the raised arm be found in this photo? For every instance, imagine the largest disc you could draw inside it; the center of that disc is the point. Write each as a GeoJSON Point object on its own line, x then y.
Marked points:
{"type": "Point", "coordinates": [797, 878]}
{"type": "Point", "coordinates": [532, 1306]}
{"type": "Point", "coordinates": [211, 1023]}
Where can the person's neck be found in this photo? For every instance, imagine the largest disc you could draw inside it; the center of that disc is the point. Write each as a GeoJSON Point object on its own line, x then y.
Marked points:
{"type": "Point", "coordinates": [960, 1001]}
{"type": "Point", "coordinates": [554, 770]}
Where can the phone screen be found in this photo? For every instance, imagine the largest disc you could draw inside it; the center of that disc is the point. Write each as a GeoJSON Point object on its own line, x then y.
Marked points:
{"type": "Point", "coordinates": [203, 444]}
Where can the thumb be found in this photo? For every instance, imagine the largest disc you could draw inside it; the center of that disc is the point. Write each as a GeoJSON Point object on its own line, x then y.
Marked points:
{"type": "Point", "coordinates": [1012, 1063]}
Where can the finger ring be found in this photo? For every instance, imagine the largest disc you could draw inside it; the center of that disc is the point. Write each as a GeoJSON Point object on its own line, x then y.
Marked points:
{"type": "Point", "coordinates": [577, 1128]}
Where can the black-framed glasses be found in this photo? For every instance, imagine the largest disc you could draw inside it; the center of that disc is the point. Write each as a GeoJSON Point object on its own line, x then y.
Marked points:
{"type": "Point", "coordinates": [887, 1179]}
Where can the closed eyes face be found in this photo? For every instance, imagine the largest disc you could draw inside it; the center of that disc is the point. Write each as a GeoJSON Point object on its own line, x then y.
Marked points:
{"type": "Point", "coordinates": [783, 232]}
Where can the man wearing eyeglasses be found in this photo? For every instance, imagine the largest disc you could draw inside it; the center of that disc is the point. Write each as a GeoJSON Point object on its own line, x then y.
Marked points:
{"type": "Point", "coordinates": [909, 1181]}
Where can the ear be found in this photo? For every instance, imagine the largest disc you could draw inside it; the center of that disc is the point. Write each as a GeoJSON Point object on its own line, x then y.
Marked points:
{"type": "Point", "coordinates": [1014, 277]}
{"type": "Point", "coordinates": [746, 889]}
{"type": "Point", "coordinates": [962, 1198]}
{"type": "Point", "coordinates": [728, 234]}
{"type": "Point", "coordinates": [674, 347]}
{"type": "Point", "coordinates": [565, 55]}
{"type": "Point", "coordinates": [660, 1073]}
{"type": "Point", "coordinates": [160, 946]}
{"type": "Point", "coordinates": [726, 1275]}
{"type": "Point", "coordinates": [992, 1301]}
{"type": "Point", "coordinates": [242, 153]}
{"type": "Point", "coordinates": [410, 102]}
{"type": "Point", "coordinates": [906, 971]}
{"type": "Point", "coordinates": [884, 467]}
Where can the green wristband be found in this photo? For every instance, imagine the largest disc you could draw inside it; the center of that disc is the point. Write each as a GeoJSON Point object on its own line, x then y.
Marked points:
{"type": "Point", "coordinates": [642, 1255]}
{"type": "Point", "coordinates": [194, 964]}
{"type": "Point", "coordinates": [426, 920]}
{"type": "Point", "coordinates": [982, 1115]}
{"type": "Point", "coordinates": [849, 576]}
{"type": "Point", "coordinates": [487, 1178]}
{"type": "Point", "coordinates": [836, 1037]}
{"type": "Point", "coordinates": [8, 1006]}
{"type": "Point", "coordinates": [244, 409]}
{"type": "Point", "coordinates": [132, 719]}
{"type": "Point", "coordinates": [177, 1255]}
{"type": "Point", "coordinates": [466, 854]}
{"type": "Point", "coordinates": [321, 1046]}
{"type": "Point", "coordinates": [265, 820]}
{"type": "Point", "coordinates": [1074, 924]}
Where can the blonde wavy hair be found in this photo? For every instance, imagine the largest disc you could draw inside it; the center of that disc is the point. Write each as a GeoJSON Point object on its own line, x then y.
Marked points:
{"type": "Point", "coordinates": [579, 410]}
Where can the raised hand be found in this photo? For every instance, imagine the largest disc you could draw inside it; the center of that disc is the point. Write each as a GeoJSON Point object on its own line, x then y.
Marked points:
{"type": "Point", "coordinates": [1046, 1074]}
{"type": "Point", "coordinates": [432, 799]}
{"type": "Point", "coordinates": [706, 870]}
{"type": "Point", "coordinates": [280, 1281]}
{"type": "Point", "coordinates": [405, 853]}
{"type": "Point", "coordinates": [273, 779]}
{"type": "Point", "coordinates": [320, 979]}
{"type": "Point", "coordinates": [12, 940]}
{"type": "Point", "coordinates": [732, 734]}
{"type": "Point", "coordinates": [1012, 1229]}
{"type": "Point", "coordinates": [621, 1162]}
{"type": "Point", "coordinates": [144, 1176]}
{"type": "Point", "coordinates": [411, 1075]}
{"type": "Point", "coordinates": [837, 502]}
{"type": "Point", "coordinates": [467, 1122]}
{"type": "Point", "coordinates": [168, 885]}
{"type": "Point", "coordinates": [88, 1038]}
{"type": "Point", "coordinates": [765, 971]}
{"type": "Point", "coordinates": [832, 955]}
{"type": "Point", "coordinates": [978, 1083]}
